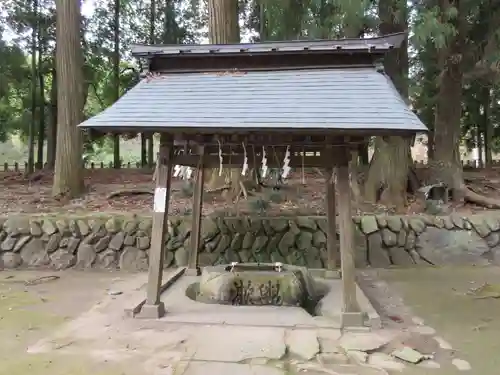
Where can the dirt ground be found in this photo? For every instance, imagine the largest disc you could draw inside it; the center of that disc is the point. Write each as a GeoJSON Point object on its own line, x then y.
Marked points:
{"type": "Point", "coordinates": [300, 194]}
{"type": "Point", "coordinates": [30, 312]}
{"type": "Point", "coordinates": [445, 299]}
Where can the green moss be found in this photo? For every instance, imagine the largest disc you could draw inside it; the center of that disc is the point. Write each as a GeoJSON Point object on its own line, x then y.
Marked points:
{"type": "Point", "coordinates": [43, 364]}
{"type": "Point", "coordinates": [18, 319]}
{"type": "Point", "coordinates": [16, 313]}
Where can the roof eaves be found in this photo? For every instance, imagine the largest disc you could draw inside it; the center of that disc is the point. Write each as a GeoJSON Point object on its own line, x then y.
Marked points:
{"type": "Point", "coordinates": [368, 45]}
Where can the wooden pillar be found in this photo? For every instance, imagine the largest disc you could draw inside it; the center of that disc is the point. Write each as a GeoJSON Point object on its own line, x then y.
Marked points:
{"type": "Point", "coordinates": [193, 266]}
{"type": "Point", "coordinates": [351, 315]}
{"type": "Point", "coordinates": [331, 239]}
{"type": "Point", "coordinates": [154, 308]}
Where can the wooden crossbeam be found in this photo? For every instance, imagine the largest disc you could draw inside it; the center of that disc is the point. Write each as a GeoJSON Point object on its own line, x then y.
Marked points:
{"type": "Point", "coordinates": [213, 161]}
{"type": "Point", "coordinates": [269, 139]}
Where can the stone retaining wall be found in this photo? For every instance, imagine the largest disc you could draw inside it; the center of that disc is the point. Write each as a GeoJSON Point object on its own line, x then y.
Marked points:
{"type": "Point", "coordinates": [117, 242]}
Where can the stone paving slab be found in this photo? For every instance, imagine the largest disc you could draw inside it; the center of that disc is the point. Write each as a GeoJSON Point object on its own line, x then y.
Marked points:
{"type": "Point", "coordinates": [218, 368]}
{"type": "Point", "coordinates": [237, 344]}
{"type": "Point", "coordinates": [302, 343]}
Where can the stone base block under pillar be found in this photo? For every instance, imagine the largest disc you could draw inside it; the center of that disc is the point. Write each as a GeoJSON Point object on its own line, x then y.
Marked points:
{"type": "Point", "coordinates": [192, 272]}
{"type": "Point", "coordinates": [353, 319]}
{"type": "Point", "coordinates": [332, 274]}
{"type": "Point", "coordinates": [152, 311]}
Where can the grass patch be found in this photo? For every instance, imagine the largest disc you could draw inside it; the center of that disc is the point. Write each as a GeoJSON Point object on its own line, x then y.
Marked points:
{"type": "Point", "coordinates": [19, 323]}
{"type": "Point", "coordinates": [43, 364]}
{"type": "Point", "coordinates": [16, 315]}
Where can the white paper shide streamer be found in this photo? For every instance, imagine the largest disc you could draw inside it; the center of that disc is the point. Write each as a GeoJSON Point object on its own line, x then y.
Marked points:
{"type": "Point", "coordinates": [264, 163]}
{"type": "Point", "coordinates": [177, 170]}
{"type": "Point", "coordinates": [286, 163]}
{"type": "Point", "coordinates": [188, 173]}
{"type": "Point", "coordinates": [183, 172]}
{"type": "Point", "coordinates": [245, 161]}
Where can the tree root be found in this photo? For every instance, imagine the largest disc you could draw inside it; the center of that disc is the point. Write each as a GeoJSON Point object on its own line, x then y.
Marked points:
{"type": "Point", "coordinates": [479, 181]}
{"type": "Point", "coordinates": [318, 171]}
{"type": "Point", "coordinates": [40, 280]}
{"type": "Point", "coordinates": [478, 199]}
{"type": "Point", "coordinates": [128, 192]}
{"type": "Point", "coordinates": [218, 189]}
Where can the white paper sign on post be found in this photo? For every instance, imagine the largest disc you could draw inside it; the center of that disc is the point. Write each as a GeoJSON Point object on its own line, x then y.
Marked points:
{"type": "Point", "coordinates": [160, 200]}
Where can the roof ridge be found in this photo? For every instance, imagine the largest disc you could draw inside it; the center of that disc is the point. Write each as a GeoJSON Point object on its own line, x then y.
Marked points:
{"type": "Point", "coordinates": [379, 44]}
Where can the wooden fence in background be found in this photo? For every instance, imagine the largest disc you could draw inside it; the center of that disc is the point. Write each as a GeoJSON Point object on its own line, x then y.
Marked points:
{"type": "Point", "coordinates": [16, 167]}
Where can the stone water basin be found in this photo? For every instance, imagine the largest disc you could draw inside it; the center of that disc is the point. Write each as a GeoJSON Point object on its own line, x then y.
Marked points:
{"type": "Point", "coordinates": [257, 284]}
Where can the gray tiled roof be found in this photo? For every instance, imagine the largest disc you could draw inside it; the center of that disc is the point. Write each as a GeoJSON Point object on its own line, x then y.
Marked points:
{"type": "Point", "coordinates": [372, 45]}
{"type": "Point", "coordinates": [317, 99]}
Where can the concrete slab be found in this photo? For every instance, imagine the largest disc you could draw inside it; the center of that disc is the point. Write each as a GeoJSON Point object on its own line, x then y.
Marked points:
{"type": "Point", "coordinates": [205, 368]}
{"type": "Point", "coordinates": [385, 361]}
{"type": "Point", "coordinates": [152, 311]}
{"type": "Point", "coordinates": [237, 344]}
{"type": "Point", "coordinates": [461, 364]}
{"type": "Point", "coordinates": [366, 341]}
{"type": "Point", "coordinates": [182, 309]}
{"type": "Point", "coordinates": [429, 364]}
{"type": "Point", "coordinates": [302, 343]}
{"type": "Point", "coordinates": [331, 306]}
{"type": "Point", "coordinates": [329, 340]}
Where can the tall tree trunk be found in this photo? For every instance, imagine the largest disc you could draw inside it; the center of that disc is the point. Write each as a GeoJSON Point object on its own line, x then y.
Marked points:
{"type": "Point", "coordinates": [52, 134]}
{"type": "Point", "coordinates": [143, 136]}
{"type": "Point", "coordinates": [148, 137]}
{"type": "Point", "coordinates": [354, 30]}
{"type": "Point", "coordinates": [34, 81]}
{"type": "Point", "coordinates": [223, 28]}
{"type": "Point", "coordinates": [389, 167]}
{"type": "Point", "coordinates": [430, 145]}
{"type": "Point", "coordinates": [263, 27]}
{"type": "Point", "coordinates": [487, 126]}
{"type": "Point", "coordinates": [41, 106]}
{"type": "Point", "coordinates": [428, 116]}
{"type": "Point", "coordinates": [150, 149]}
{"type": "Point", "coordinates": [364, 158]}
{"type": "Point", "coordinates": [430, 89]}
{"type": "Point", "coordinates": [144, 159]}
{"type": "Point", "coordinates": [116, 81]}
{"type": "Point", "coordinates": [170, 34]}
{"type": "Point", "coordinates": [479, 145]}
{"type": "Point", "coordinates": [446, 166]}
{"type": "Point", "coordinates": [68, 176]}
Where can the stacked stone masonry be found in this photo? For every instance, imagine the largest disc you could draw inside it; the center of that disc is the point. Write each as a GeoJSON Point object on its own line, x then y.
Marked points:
{"type": "Point", "coordinates": [116, 242]}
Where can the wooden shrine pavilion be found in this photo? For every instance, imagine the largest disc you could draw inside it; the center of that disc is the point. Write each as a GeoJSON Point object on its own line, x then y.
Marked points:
{"type": "Point", "coordinates": [217, 101]}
